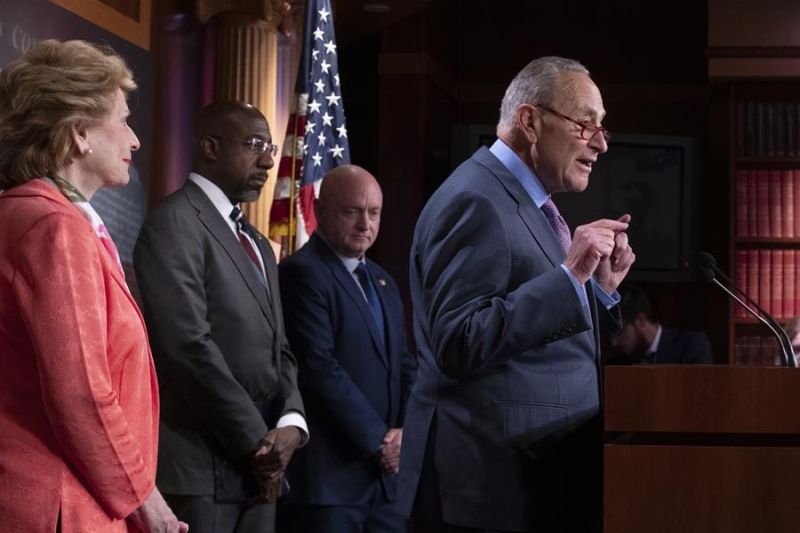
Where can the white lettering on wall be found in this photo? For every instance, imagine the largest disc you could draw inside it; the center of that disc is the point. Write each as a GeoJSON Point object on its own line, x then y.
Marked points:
{"type": "Point", "coordinates": [21, 40]}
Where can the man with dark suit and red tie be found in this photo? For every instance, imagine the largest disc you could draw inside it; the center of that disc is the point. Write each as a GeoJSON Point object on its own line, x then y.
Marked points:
{"type": "Point", "coordinates": [344, 319]}
{"type": "Point", "coordinates": [501, 430]}
{"type": "Point", "coordinates": [231, 413]}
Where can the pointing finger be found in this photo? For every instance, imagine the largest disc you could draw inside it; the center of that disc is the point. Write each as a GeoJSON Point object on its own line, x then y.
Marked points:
{"type": "Point", "coordinates": [613, 225]}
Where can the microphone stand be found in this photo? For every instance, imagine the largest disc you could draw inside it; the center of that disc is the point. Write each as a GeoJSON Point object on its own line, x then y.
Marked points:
{"type": "Point", "coordinates": [783, 339]}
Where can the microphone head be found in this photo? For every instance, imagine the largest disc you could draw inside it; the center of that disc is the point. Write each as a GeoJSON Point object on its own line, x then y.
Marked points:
{"type": "Point", "coordinates": [706, 260]}
{"type": "Point", "coordinates": [707, 274]}
{"type": "Point", "coordinates": [706, 265]}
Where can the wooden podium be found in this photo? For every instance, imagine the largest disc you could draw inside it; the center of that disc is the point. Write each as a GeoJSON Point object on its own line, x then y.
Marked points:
{"type": "Point", "coordinates": [701, 448]}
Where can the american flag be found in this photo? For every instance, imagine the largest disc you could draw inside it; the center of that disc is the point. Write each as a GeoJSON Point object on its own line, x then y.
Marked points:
{"type": "Point", "coordinates": [316, 136]}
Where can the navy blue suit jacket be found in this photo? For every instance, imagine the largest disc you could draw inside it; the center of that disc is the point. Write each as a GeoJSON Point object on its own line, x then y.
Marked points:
{"type": "Point", "coordinates": [508, 362]}
{"type": "Point", "coordinates": [354, 389]}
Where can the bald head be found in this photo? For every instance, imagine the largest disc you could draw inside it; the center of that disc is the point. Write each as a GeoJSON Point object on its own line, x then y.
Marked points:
{"type": "Point", "coordinates": [221, 118]}
{"type": "Point", "coordinates": [228, 138]}
{"type": "Point", "coordinates": [349, 210]}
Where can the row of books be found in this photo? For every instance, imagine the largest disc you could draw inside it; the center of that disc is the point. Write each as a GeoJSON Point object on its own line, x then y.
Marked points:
{"type": "Point", "coordinates": [756, 350]}
{"type": "Point", "coordinates": [768, 129]}
{"type": "Point", "coordinates": [771, 278]}
{"type": "Point", "coordinates": [768, 203]}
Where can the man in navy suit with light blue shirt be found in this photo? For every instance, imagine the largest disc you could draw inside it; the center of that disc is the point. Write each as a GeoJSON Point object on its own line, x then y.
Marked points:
{"type": "Point", "coordinates": [344, 320]}
{"type": "Point", "coordinates": [502, 430]}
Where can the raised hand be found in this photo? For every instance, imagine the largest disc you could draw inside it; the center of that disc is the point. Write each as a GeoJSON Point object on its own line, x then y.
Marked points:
{"type": "Point", "coordinates": [612, 269]}
{"type": "Point", "coordinates": [593, 243]}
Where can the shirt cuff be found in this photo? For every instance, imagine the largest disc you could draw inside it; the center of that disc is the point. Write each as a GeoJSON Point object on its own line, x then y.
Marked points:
{"type": "Point", "coordinates": [293, 418]}
{"type": "Point", "coordinates": [608, 300]}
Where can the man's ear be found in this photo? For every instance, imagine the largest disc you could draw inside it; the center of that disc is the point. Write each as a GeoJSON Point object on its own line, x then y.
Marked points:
{"type": "Point", "coordinates": [80, 140]}
{"type": "Point", "coordinates": [641, 320]}
{"type": "Point", "coordinates": [529, 122]}
{"type": "Point", "coordinates": [209, 147]}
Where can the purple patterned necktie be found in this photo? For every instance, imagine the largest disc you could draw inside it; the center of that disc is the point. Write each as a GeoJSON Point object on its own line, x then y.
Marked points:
{"type": "Point", "coordinates": [558, 224]}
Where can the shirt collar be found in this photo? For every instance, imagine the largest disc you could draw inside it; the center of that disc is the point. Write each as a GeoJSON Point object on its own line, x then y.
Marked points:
{"type": "Point", "coordinates": [527, 178]}
{"type": "Point", "coordinates": [218, 198]}
{"type": "Point", "coordinates": [656, 340]}
{"type": "Point", "coordinates": [350, 263]}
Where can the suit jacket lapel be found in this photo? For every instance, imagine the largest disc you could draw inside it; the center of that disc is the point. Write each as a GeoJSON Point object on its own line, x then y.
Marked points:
{"type": "Point", "coordinates": [267, 256]}
{"type": "Point", "coordinates": [530, 214]}
{"type": "Point", "coordinates": [38, 187]}
{"type": "Point", "coordinates": [221, 232]}
{"type": "Point", "coordinates": [346, 281]}
{"type": "Point", "coordinates": [536, 222]}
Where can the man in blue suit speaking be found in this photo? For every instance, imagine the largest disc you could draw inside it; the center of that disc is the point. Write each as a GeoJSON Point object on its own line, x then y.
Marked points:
{"type": "Point", "coordinates": [501, 432]}
{"type": "Point", "coordinates": [344, 320]}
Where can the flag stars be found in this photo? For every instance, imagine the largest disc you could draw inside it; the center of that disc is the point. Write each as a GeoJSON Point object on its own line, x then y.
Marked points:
{"type": "Point", "coordinates": [325, 140]}
{"type": "Point", "coordinates": [336, 151]}
{"type": "Point", "coordinates": [333, 99]}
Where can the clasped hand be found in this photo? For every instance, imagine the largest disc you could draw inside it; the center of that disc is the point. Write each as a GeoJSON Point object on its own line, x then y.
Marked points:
{"type": "Point", "coordinates": [271, 459]}
{"type": "Point", "coordinates": [275, 451]}
{"type": "Point", "coordinates": [388, 456]}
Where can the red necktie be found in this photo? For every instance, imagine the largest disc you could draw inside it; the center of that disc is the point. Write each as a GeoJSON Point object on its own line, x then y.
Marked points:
{"type": "Point", "coordinates": [243, 226]}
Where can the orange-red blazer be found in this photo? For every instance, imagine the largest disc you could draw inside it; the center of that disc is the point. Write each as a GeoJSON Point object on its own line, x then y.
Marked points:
{"type": "Point", "coordinates": [78, 392]}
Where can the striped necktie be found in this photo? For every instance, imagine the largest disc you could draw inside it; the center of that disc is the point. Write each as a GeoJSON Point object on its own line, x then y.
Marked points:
{"type": "Point", "coordinates": [246, 233]}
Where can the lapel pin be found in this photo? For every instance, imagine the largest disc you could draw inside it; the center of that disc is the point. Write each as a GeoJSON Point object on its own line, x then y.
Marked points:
{"type": "Point", "coordinates": [381, 282]}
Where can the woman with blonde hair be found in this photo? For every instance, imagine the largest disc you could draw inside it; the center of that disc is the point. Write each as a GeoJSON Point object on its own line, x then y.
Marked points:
{"type": "Point", "coordinates": [78, 393]}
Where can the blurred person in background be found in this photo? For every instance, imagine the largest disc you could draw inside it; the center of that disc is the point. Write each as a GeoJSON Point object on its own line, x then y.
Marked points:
{"type": "Point", "coordinates": [643, 340]}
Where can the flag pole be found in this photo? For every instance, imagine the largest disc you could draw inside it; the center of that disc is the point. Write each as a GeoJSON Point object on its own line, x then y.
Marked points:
{"type": "Point", "coordinates": [293, 186]}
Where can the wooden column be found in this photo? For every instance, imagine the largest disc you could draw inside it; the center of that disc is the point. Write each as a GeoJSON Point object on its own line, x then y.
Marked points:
{"type": "Point", "coordinates": [245, 68]}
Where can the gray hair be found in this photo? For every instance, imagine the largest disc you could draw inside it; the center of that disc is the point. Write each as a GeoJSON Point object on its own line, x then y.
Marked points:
{"type": "Point", "coordinates": [535, 84]}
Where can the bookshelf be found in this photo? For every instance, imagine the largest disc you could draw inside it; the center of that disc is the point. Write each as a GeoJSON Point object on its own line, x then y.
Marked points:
{"type": "Point", "coordinates": [765, 212]}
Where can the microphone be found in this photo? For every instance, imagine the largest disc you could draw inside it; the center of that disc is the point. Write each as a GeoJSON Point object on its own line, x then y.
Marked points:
{"type": "Point", "coordinates": [710, 271]}
{"type": "Point", "coordinates": [706, 261]}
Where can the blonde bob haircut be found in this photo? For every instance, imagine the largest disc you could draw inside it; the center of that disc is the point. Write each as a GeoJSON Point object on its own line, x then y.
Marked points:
{"type": "Point", "coordinates": [47, 92]}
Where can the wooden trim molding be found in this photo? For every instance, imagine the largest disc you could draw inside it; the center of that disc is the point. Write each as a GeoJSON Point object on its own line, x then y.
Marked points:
{"type": "Point", "coordinates": [113, 20]}
{"type": "Point", "coordinates": [753, 51]}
